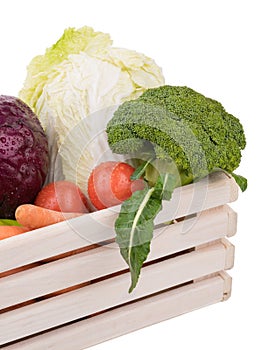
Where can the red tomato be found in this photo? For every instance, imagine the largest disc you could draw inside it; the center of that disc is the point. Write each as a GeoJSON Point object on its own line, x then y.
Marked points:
{"type": "Point", "coordinates": [62, 196]}
{"type": "Point", "coordinates": [109, 184]}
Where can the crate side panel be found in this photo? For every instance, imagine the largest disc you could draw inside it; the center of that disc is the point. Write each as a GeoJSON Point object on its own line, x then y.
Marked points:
{"type": "Point", "coordinates": [102, 261]}
{"type": "Point", "coordinates": [215, 190]}
{"type": "Point", "coordinates": [128, 318]}
{"type": "Point", "coordinates": [212, 191]}
{"type": "Point", "coordinates": [91, 299]}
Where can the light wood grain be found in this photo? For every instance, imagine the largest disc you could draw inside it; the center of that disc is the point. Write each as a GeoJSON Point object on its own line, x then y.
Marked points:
{"type": "Point", "coordinates": [129, 318]}
{"type": "Point", "coordinates": [231, 254]}
{"type": "Point", "coordinates": [232, 222]}
{"type": "Point", "coordinates": [110, 293]}
{"type": "Point", "coordinates": [106, 260]}
{"type": "Point", "coordinates": [215, 190]}
{"type": "Point", "coordinates": [227, 285]}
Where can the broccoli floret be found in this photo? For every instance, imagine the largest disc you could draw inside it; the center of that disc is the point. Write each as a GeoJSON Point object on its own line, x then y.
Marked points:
{"type": "Point", "coordinates": [181, 125]}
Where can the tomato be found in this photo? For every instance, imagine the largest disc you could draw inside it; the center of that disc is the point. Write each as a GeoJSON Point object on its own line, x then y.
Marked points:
{"type": "Point", "coordinates": [109, 184]}
{"type": "Point", "coordinates": [62, 196]}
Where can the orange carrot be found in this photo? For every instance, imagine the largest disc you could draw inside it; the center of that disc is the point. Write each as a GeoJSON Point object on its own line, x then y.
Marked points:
{"type": "Point", "coordinates": [9, 231]}
{"type": "Point", "coordinates": [34, 217]}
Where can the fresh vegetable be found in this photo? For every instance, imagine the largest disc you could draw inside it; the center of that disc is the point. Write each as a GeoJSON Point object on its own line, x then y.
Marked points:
{"type": "Point", "coordinates": [23, 155]}
{"type": "Point", "coordinates": [178, 136]}
{"type": "Point", "coordinates": [180, 125]}
{"type": "Point", "coordinates": [134, 226]}
{"type": "Point", "coordinates": [110, 184]}
{"type": "Point", "coordinates": [8, 222]}
{"type": "Point", "coordinates": [34, 217]}
{"type": "Point", "coordinates": [9, 231]}
{"type": "Point", "coordinates": [80, 74]}
{"type": "Point", "coordinates": [62, 196]}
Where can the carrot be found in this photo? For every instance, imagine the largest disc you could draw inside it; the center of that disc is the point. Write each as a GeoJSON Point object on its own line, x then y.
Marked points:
{"type": "Point", "coordinates": [34, 217]}
{"type": "Point", "coordinates": [9, 231]}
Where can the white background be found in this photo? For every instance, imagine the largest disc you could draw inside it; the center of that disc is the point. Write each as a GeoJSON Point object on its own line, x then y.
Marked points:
{"type": "Point", "coordinates": [214, 47]}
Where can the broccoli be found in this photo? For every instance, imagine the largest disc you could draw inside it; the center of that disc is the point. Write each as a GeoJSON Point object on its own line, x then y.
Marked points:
{"type": "Point", "coordinates": [168, 131]}
{"type": "Point", "coordinates": [179, 125]}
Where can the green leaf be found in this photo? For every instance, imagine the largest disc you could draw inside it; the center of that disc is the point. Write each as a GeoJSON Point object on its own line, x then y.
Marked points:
{"type": "Point", "coordinates": [7, 222]}
{"type": "Point", "coordinates": [140, 171]}
{"type": "Point", "coordinates": [241, 181]}
{"type": "Point", "coordinates": [135, 223]}
{"type": "Point", "coordinates": [165, 186]}
{"type": "Point", "coordinates": [43, 68]}
{"type": "Point", "coordinates": [134, 229]}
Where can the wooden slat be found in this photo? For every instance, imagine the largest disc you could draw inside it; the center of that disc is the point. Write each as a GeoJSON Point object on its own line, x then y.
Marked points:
{"type": "Point", "coordinates": [232, 222]}
{"type": "Point", "coordinates": [110, 293]}
{"type": "Point", "coordinates": [129, 318]}
{"type": "Point", "coordinates": [231, 256]}
{"type": "Point", "coordinates": [227, 285]}
{"type": "Point", "coordinates": [91, 265]}
{"type": "Point", "coordinates": [215, 190]}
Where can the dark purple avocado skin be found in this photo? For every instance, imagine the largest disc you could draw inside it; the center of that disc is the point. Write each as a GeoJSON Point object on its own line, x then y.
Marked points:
{"type": "Point", "coordinates": [23, 155]}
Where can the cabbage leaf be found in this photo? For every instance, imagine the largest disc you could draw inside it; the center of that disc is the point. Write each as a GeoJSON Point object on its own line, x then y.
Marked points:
{"type": "Point", "coordinates": [82, 74]}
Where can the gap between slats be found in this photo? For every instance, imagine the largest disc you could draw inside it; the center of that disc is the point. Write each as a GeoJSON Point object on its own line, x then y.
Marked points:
{"type": "Point", "coordinates": [91, 299]}
{"type": "Point", "coordinates": [190, 289]}
{"type": "Point", "coordinates": [65, 274]}
{"type": "Point", "coordinates": [97, 227]}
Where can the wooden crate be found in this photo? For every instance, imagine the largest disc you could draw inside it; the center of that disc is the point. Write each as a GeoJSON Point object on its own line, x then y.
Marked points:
{"type": "Point", "coordinates": [66, 286]}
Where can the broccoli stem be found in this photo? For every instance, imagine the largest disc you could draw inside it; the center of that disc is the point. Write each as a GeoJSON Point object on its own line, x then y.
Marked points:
{"type": "Point", "coordinates": [161, 166]}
